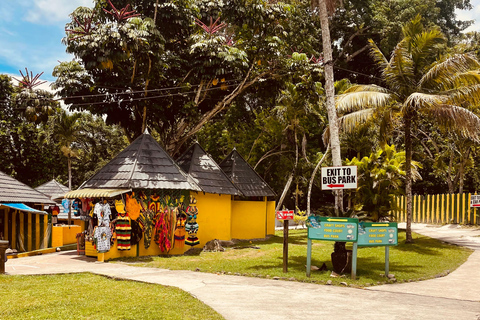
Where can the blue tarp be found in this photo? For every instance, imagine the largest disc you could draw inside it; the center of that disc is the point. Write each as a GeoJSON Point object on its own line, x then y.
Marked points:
{"type": "Point", "coordinates": [22, 207]}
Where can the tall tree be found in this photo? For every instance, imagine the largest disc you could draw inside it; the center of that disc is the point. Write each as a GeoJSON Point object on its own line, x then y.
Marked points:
{"type": "Point", "coordinates": [66, 133]}
{"type": "Point", "coordinates": [184, 62]}
{"type": "Point", "coordinates": [418, 86]}
{"type": "Point", "coordinates": [322, 6]}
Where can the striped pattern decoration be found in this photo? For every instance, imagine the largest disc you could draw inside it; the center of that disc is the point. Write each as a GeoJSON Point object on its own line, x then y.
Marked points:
{"type": "Point", "coordinates": [25, 231]}
{"type": "Point", "coordinates": [438, 209]}
{"type": "Point", "coordinates": [123, 229]}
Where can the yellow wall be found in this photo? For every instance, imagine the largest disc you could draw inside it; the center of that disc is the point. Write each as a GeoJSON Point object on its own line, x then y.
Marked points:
{"type": "Point", "coordinates": [270, 217]}
{"type": "Point", "coordinates": [63, 235]}
{"type": "Point", "coordinates": [249, 220]}
{"type": "Point", "coordinates": [214, 217]}
{"type": "Point", "coordinates": [219, 217]}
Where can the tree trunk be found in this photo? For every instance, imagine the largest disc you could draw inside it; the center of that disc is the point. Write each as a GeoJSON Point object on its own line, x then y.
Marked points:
{"type": "Point", "coordinates": [408, 176]}
{"type": "Point", "coordinates": [69, 161]}
{"type": "Point", "coordinates": [313, 178]}
{"type": "Point", "coordinates": [330, 97]}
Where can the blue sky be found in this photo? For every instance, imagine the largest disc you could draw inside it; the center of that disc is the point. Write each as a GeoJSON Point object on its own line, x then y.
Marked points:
{"type": "Point", "coordinates": [31, 32]}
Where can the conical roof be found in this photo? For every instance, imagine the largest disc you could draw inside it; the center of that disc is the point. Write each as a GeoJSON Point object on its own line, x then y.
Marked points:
{"type": "Point", "coordinates": [244, 177]}
{"type": "Point", "coordinates": [142, 165]}
{"type": "Point", "coordinates": [53, 189]}
{"type": "Point", "coordinates": [14, 191]}
{"type": "Point", "coordinates": [205, 171]}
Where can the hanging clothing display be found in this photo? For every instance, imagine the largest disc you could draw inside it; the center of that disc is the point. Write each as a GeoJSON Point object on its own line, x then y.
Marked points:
{"type": "Point", "coordinates": [77, 207]}
{"type": "Point", "coordinates": [179, 234]}
{"type": "Point", "coordinates": [123, 227]}
{"type": "Point", "coordinates": [132, 206]}
{"type": "Point", "coordinates": [191, 227]}
{"type": "Point", "coordinates": [163, 229]}
{"type": "Point", "coordinates": [136, 234]}
{"type": "Point", "coordinates": [102, 212]}
{"type": "Point", "coordinates": [102, 236]}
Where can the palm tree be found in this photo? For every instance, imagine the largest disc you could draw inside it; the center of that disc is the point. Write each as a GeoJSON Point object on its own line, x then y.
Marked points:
{"type": "Point", "coordinates": [417, 86]}
{"type": "Point", "coordinates": [66, 133]}
{"type": "Point", "coordinates": [324, 7]}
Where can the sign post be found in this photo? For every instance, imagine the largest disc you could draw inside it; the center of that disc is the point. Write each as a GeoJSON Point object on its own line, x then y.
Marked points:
{"type": "Point", "coordinates": [286, 216]}
{"type": "Point", "coordinates": [371, 234]}
{"type": "Point", "coordinates": [332, 229]}
{"type": "Point", "coordinates": [362, 234]}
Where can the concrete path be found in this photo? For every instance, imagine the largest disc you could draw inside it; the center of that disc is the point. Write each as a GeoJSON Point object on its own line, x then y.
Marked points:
{"type": "Point", "coordinates": [455, 296]}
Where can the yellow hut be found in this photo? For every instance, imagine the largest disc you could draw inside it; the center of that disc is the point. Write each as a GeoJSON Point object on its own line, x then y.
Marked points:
{"type": "Point", "coordinates": [22, 219]}
{"type": "Point", "coordinates": [145, 204]}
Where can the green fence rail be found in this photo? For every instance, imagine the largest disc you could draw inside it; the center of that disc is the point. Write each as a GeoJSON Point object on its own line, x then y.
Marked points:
{"type": "Point", "coordinates": [439, 209]}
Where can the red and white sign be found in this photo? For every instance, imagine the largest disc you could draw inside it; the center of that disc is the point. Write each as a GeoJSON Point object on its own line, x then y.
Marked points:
{"type": "Point", "coordinates": [475, 201]}
{"type": "Point", "coordinates": [334, 178]}
{"type": "Point", "coordinates": [285, 215]}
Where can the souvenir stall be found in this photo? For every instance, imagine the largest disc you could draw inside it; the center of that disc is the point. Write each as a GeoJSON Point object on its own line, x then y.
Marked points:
{"type": "Point", "coordinates": [139, 204]}
{"type": "Point", "coordinates": [67, 217]}
{"type": "Point", "coordinates": [23, 222]}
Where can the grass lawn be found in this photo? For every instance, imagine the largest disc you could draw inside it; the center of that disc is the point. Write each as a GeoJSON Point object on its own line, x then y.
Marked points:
{"type": "Point", "coordinates": [426, 258]}
{"type": "Point", "coordinates": [87, 296]}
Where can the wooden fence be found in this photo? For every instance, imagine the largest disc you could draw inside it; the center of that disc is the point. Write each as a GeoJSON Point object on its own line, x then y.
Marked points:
{"type": "Point", "coordinates": [439, 209]}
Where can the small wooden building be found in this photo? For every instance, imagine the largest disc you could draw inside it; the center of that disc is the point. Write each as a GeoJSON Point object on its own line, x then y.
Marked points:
{"type": "Point", "coordinates": [181, 204]}
{"type": "Point", "coordinates": [23, 222]}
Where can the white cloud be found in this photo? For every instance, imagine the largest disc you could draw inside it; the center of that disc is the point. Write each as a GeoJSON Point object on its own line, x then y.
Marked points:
{"type": "Point", "coordinates": [470, 15]}
{"type": "Point", "coordinates": [52, 11]}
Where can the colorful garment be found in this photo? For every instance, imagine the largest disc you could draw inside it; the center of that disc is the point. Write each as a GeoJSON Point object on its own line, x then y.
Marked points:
{"type": "Point", "coordinates": [179, 234]}
{"type": "Point", "coordinates": [132, 206]}
{"type": "Point", "coordinates": [102, 237]}
{"type": "Point", "coordinates": [124, 231]}
{"type": "Point", "coordinates": [163, 230]}
{"type": "Point", "coordinates": [147, 222]}
{"type": "Point", "coordinates": [191, 227]}
{"type": "Point", "coordinates": [102, 211]}
{"type": "Point", "coordinates": [136, 234]}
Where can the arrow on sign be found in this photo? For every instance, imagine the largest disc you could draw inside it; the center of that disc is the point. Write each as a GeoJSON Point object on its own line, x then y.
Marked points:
{"type": "Point", "coordinates": [335, 185]}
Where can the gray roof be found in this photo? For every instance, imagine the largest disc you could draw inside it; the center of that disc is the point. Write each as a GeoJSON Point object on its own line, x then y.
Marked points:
{"type": "Point", "coordinates": [53, 189]}
{"type": "Point", "coordinates": [244, 177]}
{"type": "Point", "coordinates": [14, 191]}
{"type": "Point", "coordinates": [142, 165]}
{"type": "Point", "coordinates": [205, 171]}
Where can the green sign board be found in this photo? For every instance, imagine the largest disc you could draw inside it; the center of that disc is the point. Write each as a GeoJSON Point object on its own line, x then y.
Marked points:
{"type": "Point", "coordinates": [332, 228]}
{"type": "Point", "coordinates": [377, 234]}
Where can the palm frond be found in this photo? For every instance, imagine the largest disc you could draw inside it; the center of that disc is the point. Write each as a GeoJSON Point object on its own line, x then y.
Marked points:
{"type": "Point", "coordinates": [458, 119]}
{"type": "Point", "coordinates": [350, 121]}
{"type": "Point", "coordinates": [464, 95]}
{"type": "Point", "coordinates": [418, 101]}
{"type": "Point", "coordinates": [355, 101]}
{"type": "Point", "coordinates": [366, 87]}
{"type": "Point", "coordinates": [459, 68]}
{"type": "Point", "coordinates": [377, 55]}
{"type": "Point", "coordinates": [424, 45]}
{"type": "Point", "coordinates": [400, 74]}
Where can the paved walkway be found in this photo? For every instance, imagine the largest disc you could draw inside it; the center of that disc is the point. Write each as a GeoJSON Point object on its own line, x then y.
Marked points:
{"type": "Point", "coordinates": [455, 296]}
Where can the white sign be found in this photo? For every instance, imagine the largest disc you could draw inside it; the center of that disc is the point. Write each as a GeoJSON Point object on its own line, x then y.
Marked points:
{"type": "Point", "coordinates": [334, 178]}
{"type": "Point", "coordinates": [475, 200]}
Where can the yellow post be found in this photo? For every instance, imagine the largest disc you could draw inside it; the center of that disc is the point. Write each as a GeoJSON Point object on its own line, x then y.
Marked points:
{"type": "Point", "coordinates": [459, 205]}
{"type": "Point", "coordinates": [101, 257]}
{"type": "Point", "coordinates": [14, 228]}
{"type": "Point", "coordinates": [440, 208]}
{"type": "Point", "coordinates": [428, 206]}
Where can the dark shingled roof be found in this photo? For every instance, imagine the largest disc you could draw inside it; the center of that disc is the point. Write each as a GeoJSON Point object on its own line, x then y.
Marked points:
{"type": "Point", "coordinates": [14, 191]}
{"type": "Point", "coordinates": [53, 189]}
{"type": "Point", "coordinates": [205, 171]}
{"type": "Point", "coordinates": [143, 165]}
{"type": "Point", "coordinates": [244, 177]}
